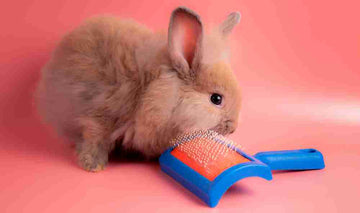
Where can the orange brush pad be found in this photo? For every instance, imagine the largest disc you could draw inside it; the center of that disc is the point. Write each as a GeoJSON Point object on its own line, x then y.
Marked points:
{"type": "Point", "coordinates": [209, 161]}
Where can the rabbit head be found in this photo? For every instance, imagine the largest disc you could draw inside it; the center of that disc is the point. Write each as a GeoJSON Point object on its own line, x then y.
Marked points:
{"type": "Point", "coordinates": [197, 89]}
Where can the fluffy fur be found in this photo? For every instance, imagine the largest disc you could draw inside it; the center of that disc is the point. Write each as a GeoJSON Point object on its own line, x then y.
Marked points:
{"type": "Point", "coordinates": [115, 81]}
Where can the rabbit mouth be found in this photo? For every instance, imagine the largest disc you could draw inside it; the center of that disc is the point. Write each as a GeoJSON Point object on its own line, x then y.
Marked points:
{"type": "Point", "coordinates": [225, 127]}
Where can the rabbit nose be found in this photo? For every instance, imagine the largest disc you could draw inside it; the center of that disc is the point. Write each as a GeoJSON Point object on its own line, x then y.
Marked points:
{"type": "Point", "coordinates": [231, 126]}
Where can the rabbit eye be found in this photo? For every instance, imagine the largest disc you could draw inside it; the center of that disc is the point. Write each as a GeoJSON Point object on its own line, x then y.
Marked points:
{"type": "Point", "coordinates": [216, 98]}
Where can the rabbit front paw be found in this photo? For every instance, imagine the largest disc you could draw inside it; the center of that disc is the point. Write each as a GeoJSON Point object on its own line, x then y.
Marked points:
{"type": "Point", "coordinates": [92, 159]}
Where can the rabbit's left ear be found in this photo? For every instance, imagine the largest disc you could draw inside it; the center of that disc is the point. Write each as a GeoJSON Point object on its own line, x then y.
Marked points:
{"type": "Point", "coordinates": [230, 22]}
{"type": "Point", "coordinates": [185, 41]}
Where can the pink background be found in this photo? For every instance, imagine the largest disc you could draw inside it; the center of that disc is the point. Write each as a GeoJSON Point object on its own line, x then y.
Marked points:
{"type": "Point", "coordinates": [297, 62]}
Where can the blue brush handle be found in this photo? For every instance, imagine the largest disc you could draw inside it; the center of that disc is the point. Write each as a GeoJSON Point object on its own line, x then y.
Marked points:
{"type": "Point", "coordinates": [302, 159]}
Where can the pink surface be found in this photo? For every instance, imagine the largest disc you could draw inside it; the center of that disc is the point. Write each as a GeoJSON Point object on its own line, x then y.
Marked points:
{"type": "Point", "coordinates": [297, 62]}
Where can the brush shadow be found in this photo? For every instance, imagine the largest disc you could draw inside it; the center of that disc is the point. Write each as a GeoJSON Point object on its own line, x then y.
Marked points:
{"type": "Point", "coordinates": [286, 171]}
{"type": "Point", "coordinates": [238, 189]}
{"type": "Point", "coordinates": [183, 191]}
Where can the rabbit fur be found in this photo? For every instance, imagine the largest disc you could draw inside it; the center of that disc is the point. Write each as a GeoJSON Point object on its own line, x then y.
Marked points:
{"type": "Point", "coordinates": [115, 82]}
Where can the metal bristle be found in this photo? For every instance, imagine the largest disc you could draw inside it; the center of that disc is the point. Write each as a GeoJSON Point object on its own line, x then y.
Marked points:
{"type": "Point", "coordinates": [206, 146]}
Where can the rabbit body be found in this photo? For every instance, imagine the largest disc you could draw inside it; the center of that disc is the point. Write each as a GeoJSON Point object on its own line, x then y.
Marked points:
{"type": "Point", "coordinates": [113, 81]}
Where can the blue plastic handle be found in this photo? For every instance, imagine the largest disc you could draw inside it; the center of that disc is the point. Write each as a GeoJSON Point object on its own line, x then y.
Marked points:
{"type": "Point", "coordinates": [302, 159]}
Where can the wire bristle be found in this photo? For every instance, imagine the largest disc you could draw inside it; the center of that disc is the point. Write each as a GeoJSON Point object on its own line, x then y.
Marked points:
{"type": "Point", "coordinates": [208, 149]}
{"type": "Point", "coordinates": [205, 134]}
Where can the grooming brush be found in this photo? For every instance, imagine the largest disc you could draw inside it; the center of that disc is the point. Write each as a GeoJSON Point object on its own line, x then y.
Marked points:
{"type": "Point", "coordinates": [207, 163]}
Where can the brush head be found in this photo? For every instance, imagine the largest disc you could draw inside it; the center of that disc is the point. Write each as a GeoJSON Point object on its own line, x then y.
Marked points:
{"type": "Point", "coordinates": [207, 152]}
{"type": "Point", "coordinates": [207, 164]}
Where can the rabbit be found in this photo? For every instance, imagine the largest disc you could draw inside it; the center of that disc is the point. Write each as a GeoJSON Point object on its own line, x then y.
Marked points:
{"type": "Point", "coordinates": [113, 82]}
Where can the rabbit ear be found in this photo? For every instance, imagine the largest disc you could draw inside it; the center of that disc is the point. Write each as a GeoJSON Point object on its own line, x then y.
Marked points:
{"type": "Point", "coordinates": [229, 23]}
{"type": "Point", "coordinates": [185, 40]}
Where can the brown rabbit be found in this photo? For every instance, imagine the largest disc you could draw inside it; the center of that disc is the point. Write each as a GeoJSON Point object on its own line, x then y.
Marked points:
{"type": "Point", "coordinates": [113, 81]}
